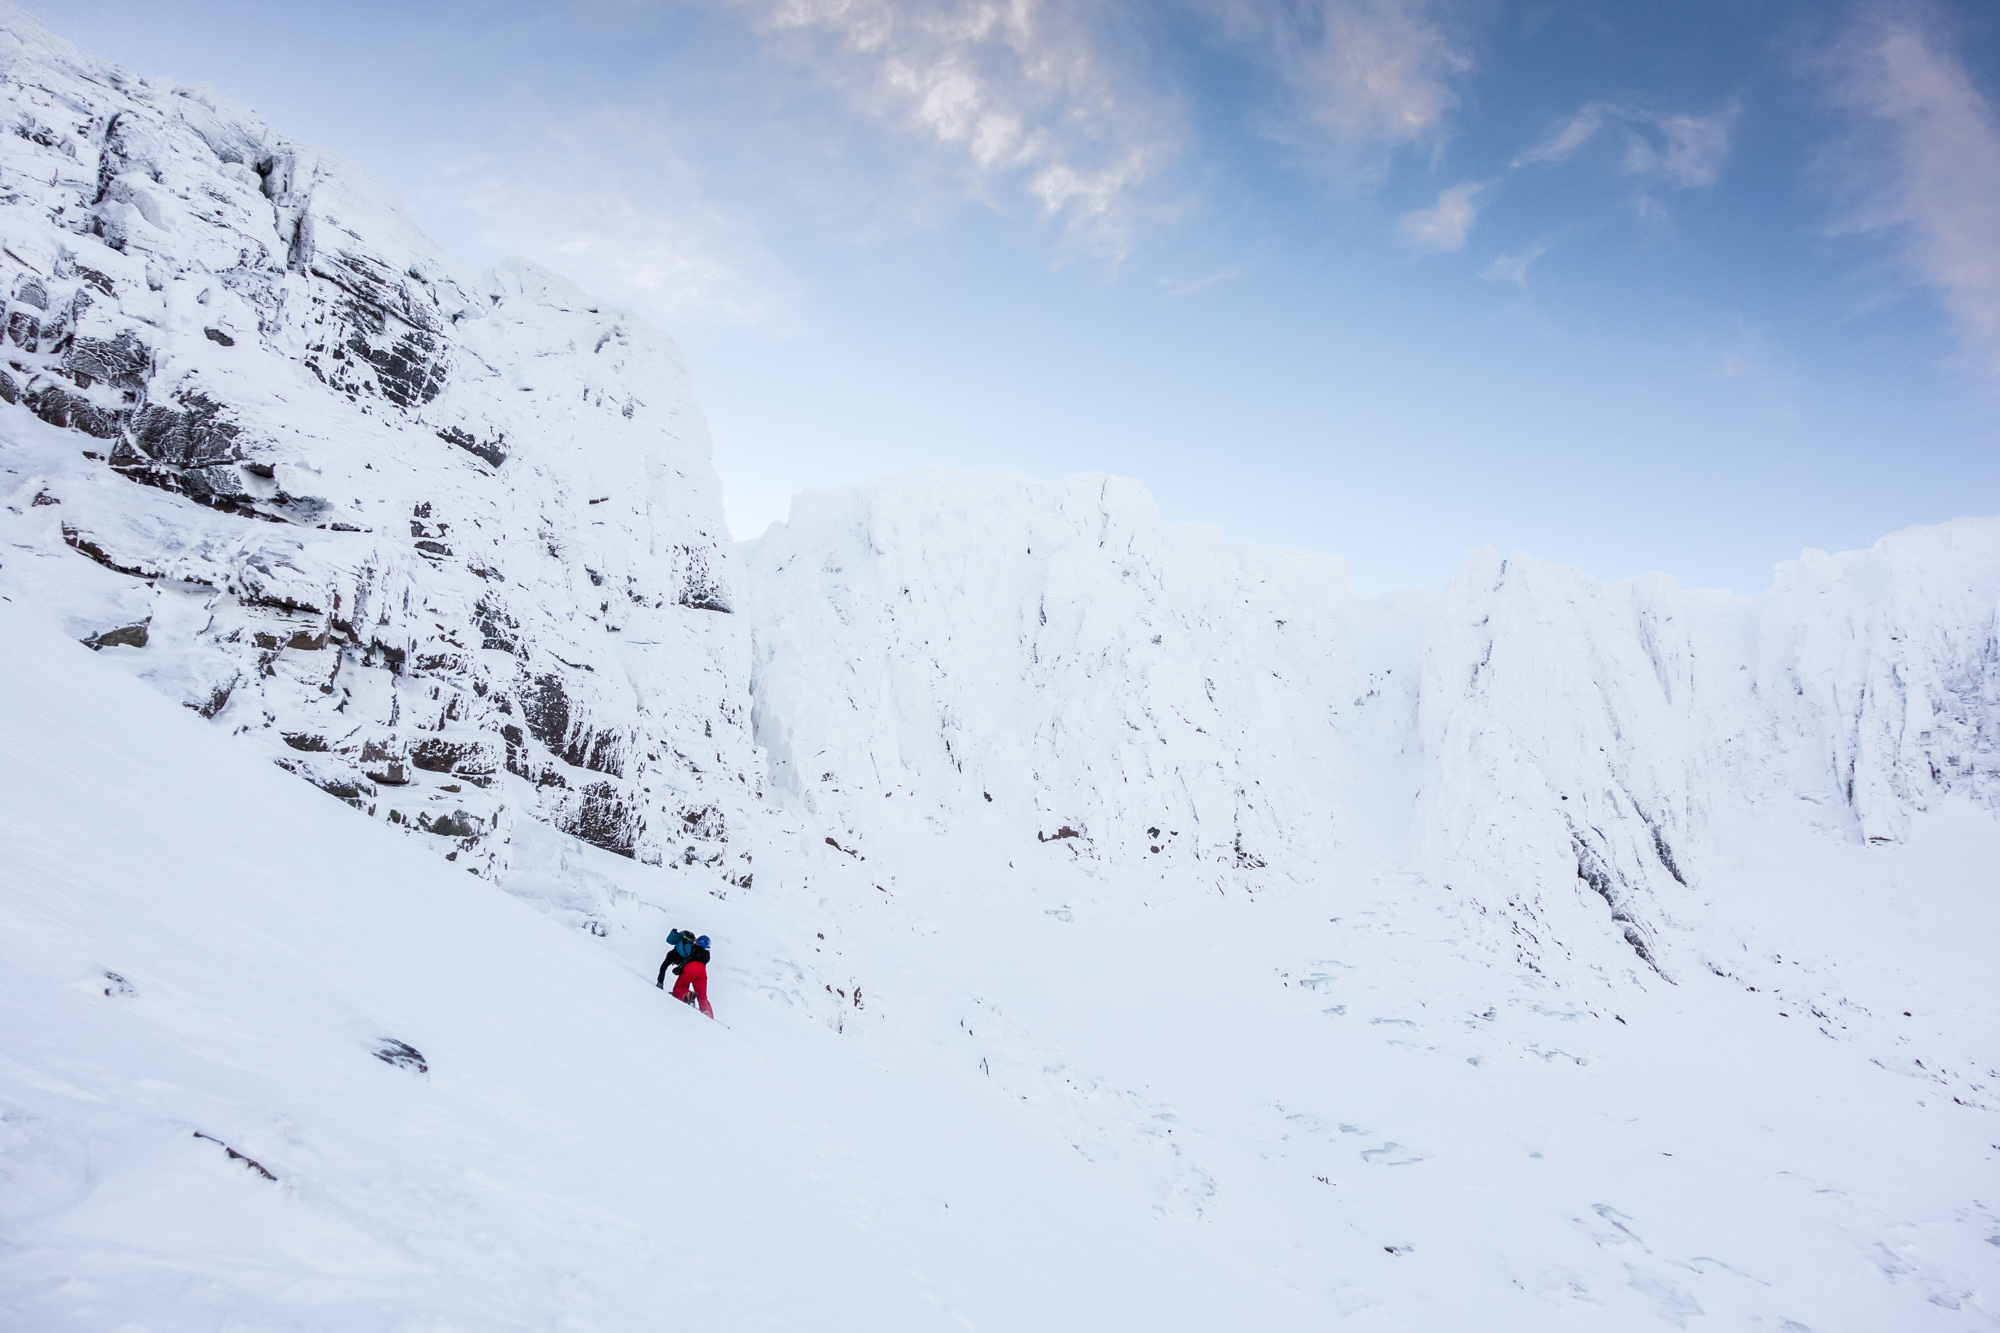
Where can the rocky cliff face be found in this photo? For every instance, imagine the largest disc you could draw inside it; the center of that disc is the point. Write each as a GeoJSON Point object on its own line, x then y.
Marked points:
{"type": "Point", "coordinates": [1042, 662]}
{"type": "Point", "coordinates": [448, 544]}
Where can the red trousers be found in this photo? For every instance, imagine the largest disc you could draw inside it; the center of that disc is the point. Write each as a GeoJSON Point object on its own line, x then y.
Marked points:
{"type": "Point", "coordinates": [695, 975]}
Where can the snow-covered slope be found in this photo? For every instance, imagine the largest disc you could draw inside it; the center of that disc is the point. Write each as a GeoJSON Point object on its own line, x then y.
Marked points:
{"type": "Point", "coordinates": [1057, 1106]}
{"type": "Point", "coordinates": [1145, 932]}
{"type": "Point", "coordinates": [278, 1068]}
{"type": "Point", "coordinates": [407, 526]}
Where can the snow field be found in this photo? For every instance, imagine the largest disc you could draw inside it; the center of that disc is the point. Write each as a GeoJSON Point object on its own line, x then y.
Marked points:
{"type": "Point", "coordinates": [582, 1152]}
{"type": "Point", "coordinates": [1058, 1104]}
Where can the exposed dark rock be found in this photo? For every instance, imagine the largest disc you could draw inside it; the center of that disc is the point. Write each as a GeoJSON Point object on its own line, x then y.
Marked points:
{"type": "Point", "coordinates": [24, 331]}
{"type": "Point", "coordinates": [1590, 868]}
{"type": "Point", "coordinates": [700, 588]}
{"type": "Point", "coordinates": [300, 740]}
{"type": "Point", "coordinates": [489, 450]}
{"type": "Point", "coordinates": [1064, 832]}
{"type": "Point", "coordinates": [392, 774]}
{"type": "Point", "coordinates": [194, 450]}
{"type": "Point", "coordinates": [545, 708]}
{"type": "Point", "coordinates": [124, 361]}
{"type": "Point", "coordinates": [435, 754]}
{"type": "Point", "coordinates": [603, 819]}
{"type": "Point", "coordinates": [218, 336]}
{"type": "Point", "coordinates": [457, 824]}
{"type": "Point", "coordinates": [382, 334]}
{"type": "Point", "coordinates": [401, 1054]}
{"type": "Point", "coordinates": [236, 1156]}
{"type": "Point", "coordinates": [118, 987]}
{"type": "Point", "coordinates": [706, 823]}
{"type": "Point", "coordinates": [72, 411]}
{"type": "Point", "coordinates": [217, 700]}
{"type": "Point", "coordinates": [355, 794]}
{"type": "Point", "coordinates": [497, 628]}
{"type": "Point", "coordinates": [128, 636]}
{"type": "Point", "coordinates": [1665, 853]}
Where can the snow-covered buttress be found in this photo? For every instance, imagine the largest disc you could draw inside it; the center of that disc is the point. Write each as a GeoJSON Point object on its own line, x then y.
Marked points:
{"type": "Point", "coordinates": [413, 528]}
{"type": "Point", "coordinates": [1044, 660]}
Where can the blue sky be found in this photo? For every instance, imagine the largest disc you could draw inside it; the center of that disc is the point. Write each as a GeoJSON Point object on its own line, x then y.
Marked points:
{"type": "Point", "coordinates": [1689, 285]}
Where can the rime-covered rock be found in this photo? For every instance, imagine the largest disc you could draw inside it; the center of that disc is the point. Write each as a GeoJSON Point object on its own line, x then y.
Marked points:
{"type": "Point", "coordinates": [1041, 661]}
{"type": "Point", "coordinates": [446, 543]}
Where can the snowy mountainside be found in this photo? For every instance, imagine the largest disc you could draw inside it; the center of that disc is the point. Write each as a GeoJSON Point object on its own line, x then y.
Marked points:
{"type": "Point", "coordinates": [1145, 931]}
{"type": "Point", "coordinates": [1884, 666]}
{"type": "Point", "coordinates": [1042, 661]}
{"type": "Point", "coordinates": [1045, 657]}
{"type": "Point", "coordinates": [409, 528]}
{"type": "Point", "coordinates": [370, 1092]}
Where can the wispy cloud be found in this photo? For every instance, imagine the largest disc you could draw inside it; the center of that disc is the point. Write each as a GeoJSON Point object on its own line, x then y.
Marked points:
{"type": "Point", "coordinates": [1934, 172]}
{"type": "Point", "coordinates": [1689, 150]}
{"type": "Point", "coordinates": [1683, 149]}
{"type": "Point", "coordinates": [1513, 268]}
{"type": "Point", "coordinates": [1444, 225]}
{"type": "Point", "coordinates": [1172, 287]}
{"type": "Point", "coordinates": [1370, 74]}
{"type": "Point", "coordinates": [643, 236]}
{"type": "Point", "coordinates": [1562, 145]}
{"type": "Point", "coordinates": [1018, 95]}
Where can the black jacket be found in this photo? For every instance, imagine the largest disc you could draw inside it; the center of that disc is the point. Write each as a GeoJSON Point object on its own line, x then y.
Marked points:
{"type": "Point", "coordinates": [681, 950]}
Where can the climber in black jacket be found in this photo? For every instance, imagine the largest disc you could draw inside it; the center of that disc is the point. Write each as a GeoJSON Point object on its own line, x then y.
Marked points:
{"type": "Point", "coordinates": [688, 956]}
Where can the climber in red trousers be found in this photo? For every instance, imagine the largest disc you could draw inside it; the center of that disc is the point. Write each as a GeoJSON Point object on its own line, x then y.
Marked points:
{"type": "Point", "coordinates": [688, 956]}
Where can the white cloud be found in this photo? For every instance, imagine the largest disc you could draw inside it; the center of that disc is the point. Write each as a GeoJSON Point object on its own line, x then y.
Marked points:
{"type": "Point", "coordinates": [1937, 176]}
{"type": "Point", "coordinates": [1687, 150]}
{"type": "Point", "coordinates": [1580, 130]}
{"type": "Point", "coordinates": [1017, 95]}
{"type": "Point", "coordinates": [1690, 150]}
{"type": "Point", "coordinates": [1513, 268]}
{"type": "Point", "coordinates": [1371, 73]}
{"type": "Point", "coordinates": [638, 235]}
{"type": "Point", "coordinates": [1445, 225]}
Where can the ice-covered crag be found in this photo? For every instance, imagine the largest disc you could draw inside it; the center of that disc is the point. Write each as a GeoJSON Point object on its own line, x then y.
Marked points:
{"type": "Point", "coordinates": [410, 527]}
{"type": "Point", "coordinates": [1043, 662]}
